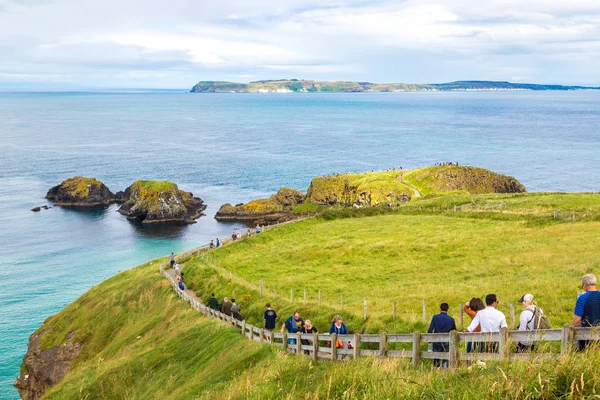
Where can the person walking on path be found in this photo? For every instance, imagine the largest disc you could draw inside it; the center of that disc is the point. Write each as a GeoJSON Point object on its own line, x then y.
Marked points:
{"type": "Point", "coordinates": [235, 310]}
{"type": "Point", "coordinates": [226, 307]}
{"type": "Point", "coordinates": [490, 319]}
{"type": "Point", "coordinates": [212, 244]}
{"type": "Point", "coordinates": [293, 324]}
{"type": "Point", "coordinates": [307, 328]}
{"type": "Point", "coordinates": [441, 323]}
{"type": "Point", "coordinates": [218, 243]}
{"type": "Point", "coordinates": [176, 268]}
{"type": "Point", "coordinates": [471, 308]}
{"type": "Point", "coordinates": [213, 303]}
{"type": "Point", "coordinates": [172, 259]}
{"type": "Point", "coordinates": [587, 308]}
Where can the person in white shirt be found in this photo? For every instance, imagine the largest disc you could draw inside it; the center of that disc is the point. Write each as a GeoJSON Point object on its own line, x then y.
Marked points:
{"type": "Point", "coordinates": [491, 320]}
{"type": "Point", "coordinates": [526, 322]}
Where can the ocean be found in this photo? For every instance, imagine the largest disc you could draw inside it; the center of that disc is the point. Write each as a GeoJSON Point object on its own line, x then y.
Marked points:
{"type": "Point", "coordinates": [230, 148]}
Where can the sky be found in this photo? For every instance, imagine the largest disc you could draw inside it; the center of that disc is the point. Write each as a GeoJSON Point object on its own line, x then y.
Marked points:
{"type": "Point", "coordinates": [173, 44]}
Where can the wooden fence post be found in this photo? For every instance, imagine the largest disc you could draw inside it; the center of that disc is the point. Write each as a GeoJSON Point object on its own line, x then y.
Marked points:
{"type": "Point", "coordinates": [285, 341]}
{"type": "Point", "coordinates": [333, 347]}
{"type": "Point", "coordinates": [261, 287]}
{"type": "Point", "coordinates": [394, 309]}
{"type": "Point", "coordinates": [416, 349]}
{"type": "Point", "coordinates": [555, 213]}
{"type": "Point", "coordinates": [356, 348]}
{"type": "Point", "coordinates": [251, 332]}
{"type": "Point", "coordinates": [424, 312]}
{"type": "Point", "coordinates": [315, 346]}
{"type": "Point", "coordinates": [453, 350]}
{"type": "Point", "coordinates": [504, 343]}
{"type": "Point", "coordinates": [566, 343]}
{"type": "Point", "coordinates": [298, 343]}
{"type": "Point", "coordinates": [365, 308]}
{"type": "Point", "coordinates": [462, 316]}
{"type": "Point", "coordinates": [383, 344]}
{"type": "Point", "coordinates": [512, 315]}
{"type": "Point", "coordinates": [262, 335]}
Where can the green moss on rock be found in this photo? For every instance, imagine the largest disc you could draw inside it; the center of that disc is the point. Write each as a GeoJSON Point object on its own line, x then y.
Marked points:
{"type": "Point", "coordinates": [81, 191]}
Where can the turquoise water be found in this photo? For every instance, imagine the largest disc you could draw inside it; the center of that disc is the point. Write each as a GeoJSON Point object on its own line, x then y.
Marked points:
{"type": "Point", "coordinates": [232, 148]}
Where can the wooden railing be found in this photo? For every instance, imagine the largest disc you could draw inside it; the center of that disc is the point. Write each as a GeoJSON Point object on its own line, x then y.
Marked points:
{"type": "Point", "coordinates": [323, 346]}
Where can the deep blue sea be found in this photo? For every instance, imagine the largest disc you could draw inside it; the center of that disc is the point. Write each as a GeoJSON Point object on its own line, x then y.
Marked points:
{"type": "Point", "coordinates": [232, 148]}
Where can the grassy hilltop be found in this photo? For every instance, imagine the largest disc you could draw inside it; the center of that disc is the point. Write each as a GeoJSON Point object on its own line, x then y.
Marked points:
{"type": "Point", "coordinates": [140, 341]}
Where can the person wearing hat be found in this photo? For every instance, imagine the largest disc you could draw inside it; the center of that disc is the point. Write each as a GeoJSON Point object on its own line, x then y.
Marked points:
{"type": "Point", "coordinates": [526, 322]}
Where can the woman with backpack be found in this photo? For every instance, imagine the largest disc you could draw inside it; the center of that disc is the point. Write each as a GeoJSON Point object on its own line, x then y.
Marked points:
{"type": "Point", "coordinates": [532, 318]}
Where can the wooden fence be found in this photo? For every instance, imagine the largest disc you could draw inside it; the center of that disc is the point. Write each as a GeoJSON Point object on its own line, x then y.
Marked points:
{"type": "Point", "coordinates": [323, 346]}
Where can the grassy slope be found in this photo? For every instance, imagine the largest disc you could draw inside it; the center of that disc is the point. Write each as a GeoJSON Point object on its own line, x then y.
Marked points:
{"type": "Point", "coordinates": [408, 256]}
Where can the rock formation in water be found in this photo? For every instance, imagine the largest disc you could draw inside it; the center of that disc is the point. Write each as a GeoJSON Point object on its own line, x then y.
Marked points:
{"type": "Point", "coordinates": [276, 208]}
{"type": "Point", "coordinates": [80, 191]}
{"type": "Point", "coordinates": [43, 368]}
{"type": "Point", "coordinates": [160, 202]}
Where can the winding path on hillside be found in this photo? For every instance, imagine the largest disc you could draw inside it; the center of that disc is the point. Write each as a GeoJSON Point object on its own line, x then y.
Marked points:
{"type": "Point", "coordinates": [416, 191]}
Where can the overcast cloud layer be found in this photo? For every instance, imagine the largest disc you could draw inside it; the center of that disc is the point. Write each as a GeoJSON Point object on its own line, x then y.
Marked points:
{"type": "Point", "coordinates": [173, 44]}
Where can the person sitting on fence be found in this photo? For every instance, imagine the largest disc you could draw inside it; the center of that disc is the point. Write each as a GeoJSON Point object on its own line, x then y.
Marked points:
{"type": "Point", "coordinates": [293, 324]}
{"type": "Point", "coordinates": [235, 310]}
{"type": "Point", "coordinates": [307, 328]}
{"type": "Point", "coordinates": [213, 303]}
{"type": "Point", "coordinates": [226, 306]}
{"type": "Point", "coordinates": [491, 320]}
{"type": "Point", "coordinates": [338, 327]}
{"type": "Point", "coordinates": [441, 323]}
{"type": "Point", "coordinates": [172, 259]}
{"type": "Point", "coordinates": [587, 308]}
{"type": "Point", "coordinates": [212, 244]}
{"type": "Point", "coordinates": [471, 308]}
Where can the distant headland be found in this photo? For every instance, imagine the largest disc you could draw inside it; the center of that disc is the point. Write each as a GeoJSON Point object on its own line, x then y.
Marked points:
{"type": "Point", "coordinates": [301, 85]}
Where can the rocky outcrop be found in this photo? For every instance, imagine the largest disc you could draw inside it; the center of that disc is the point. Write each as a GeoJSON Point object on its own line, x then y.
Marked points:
{"type": "Point", "coordinates": [276, 208]}
{"type": "Point", "coordinates": [43, 368]}
{"type": "Point", "coordinates": [80, 191]}
{"type": "Point", "coordinates": [150, 202]}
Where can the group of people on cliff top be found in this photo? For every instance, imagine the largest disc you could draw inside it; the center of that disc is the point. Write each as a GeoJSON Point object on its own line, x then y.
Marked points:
{"type": "Point", "coordinates": [446, 164]}
{"type": "Point", "coordinates": [487, 318]}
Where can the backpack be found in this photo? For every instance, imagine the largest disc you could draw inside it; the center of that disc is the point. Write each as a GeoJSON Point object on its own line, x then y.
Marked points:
{"type": "Point", "coordinates": [540, 321]}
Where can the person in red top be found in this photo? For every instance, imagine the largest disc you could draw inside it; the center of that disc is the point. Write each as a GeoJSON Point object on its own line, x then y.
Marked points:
{"type": "Point", "coordinates": [471, 308]}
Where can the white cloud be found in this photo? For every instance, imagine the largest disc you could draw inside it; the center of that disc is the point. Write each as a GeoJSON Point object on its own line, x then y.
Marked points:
{"type": "Point", "coordinates": [159, 43]}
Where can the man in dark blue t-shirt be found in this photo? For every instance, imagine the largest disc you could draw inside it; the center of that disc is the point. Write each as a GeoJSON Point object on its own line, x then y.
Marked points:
{"type": "Point", "coordinates": [441, 323]}
{"type": "Point", "coordinates": [270, 318]}
{"type": "Point", "coordinates": [587, 308]}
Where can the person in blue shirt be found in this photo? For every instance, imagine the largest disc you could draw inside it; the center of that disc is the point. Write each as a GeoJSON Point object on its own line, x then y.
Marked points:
{"type": "Point", "coordinates": [441, 323]}
{"type": "Point", "coordinates": [293, 324]}
{"type": "Point", "coordinates": [587, 308]}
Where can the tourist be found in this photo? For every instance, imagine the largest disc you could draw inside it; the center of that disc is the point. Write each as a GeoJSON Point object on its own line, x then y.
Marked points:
{"type": "Point", "coordinates": [307, 328]}
{"type": "Point", "coordinates": [527, 321]}
{"type": "Point", "coordinates": [218, 243]}
{"type": "Point", "coordinates": [235, 310]}
{"type": "Point", "coordinates": [471, 308]}
{"type": "Point", "coordinates": [293, 324]}
{"type": "Point", "coordinates": [180, 282]}
{"type": "Point", "coordinates": [233, 236]}
{"type": "Point", "coordinates": [338, 327]}
{"type": "Point", "coordinates": [270, 316]}
{"type": "Point", "coordinates": [213, 303]}
{"type": "Point", "coordinates": [212, 244]}
{"type": "Point", "coordinates": [441, 323]}
{"type": "Point", "coordinates": [258, 230]}
{"type": "Point", "coordinates": [490, 319]}
{"type": "Point", "coordinates": [176, 269]}
{"type": "Point", "coordinates": [226, 306]}
{"type": "Point", "coordinates": [248, 234]}
{"type": "Point", "coordinates": [172, 259]}
{"type": "Point", "coordinates": [587, 308]}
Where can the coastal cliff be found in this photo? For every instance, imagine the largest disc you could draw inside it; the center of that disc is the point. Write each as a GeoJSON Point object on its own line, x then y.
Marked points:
{"type": "Point", "coordinates": [80, 191]}
{"type": "Point", "coordinates": [371, 189]}
{"type": "Point", "coordinates": [150, 202]}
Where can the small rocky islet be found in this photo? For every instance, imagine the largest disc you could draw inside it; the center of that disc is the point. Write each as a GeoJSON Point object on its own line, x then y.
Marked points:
{"type": "Point", "coordinates": [145, 201]}
{"type": "Point", "coordinates": [370, 189]}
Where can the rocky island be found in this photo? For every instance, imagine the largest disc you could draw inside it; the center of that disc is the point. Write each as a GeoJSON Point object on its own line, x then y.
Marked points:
{"type": "Point", "coordinates": [384, 188]}
{"type": "Point", "coordinates": [151, 202]}
{"type": "Point", "coordinates": [80, 191]}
